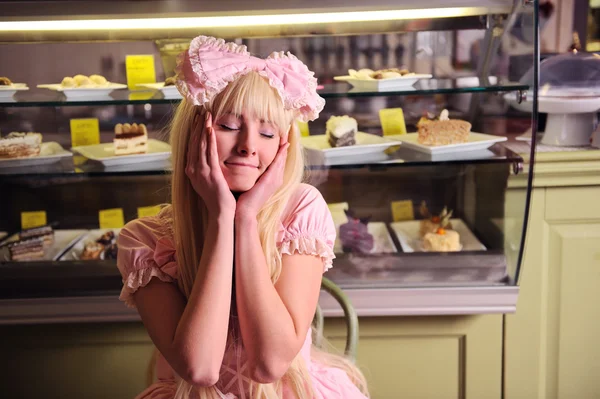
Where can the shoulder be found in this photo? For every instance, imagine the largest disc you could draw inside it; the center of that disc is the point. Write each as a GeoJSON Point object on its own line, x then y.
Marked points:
{"type": "Point", "coordinates": [148, 229]}
{"type": "Point", "coordinates": [307, 213]}
{"type": "Point", "coordinates": [305, 198]}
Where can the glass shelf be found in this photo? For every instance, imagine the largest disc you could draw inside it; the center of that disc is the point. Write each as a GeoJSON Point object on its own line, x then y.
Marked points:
{"type": "Point", "coordinates": [46, 98]}
{"type": "Point", "coordinates": [402, 157]}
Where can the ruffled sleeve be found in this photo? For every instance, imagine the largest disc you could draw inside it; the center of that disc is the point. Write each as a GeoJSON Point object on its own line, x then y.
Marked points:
{"type": "Point", "coordinates": [146, 250]}
{"type": "Point", "coordinates": [308, 227]}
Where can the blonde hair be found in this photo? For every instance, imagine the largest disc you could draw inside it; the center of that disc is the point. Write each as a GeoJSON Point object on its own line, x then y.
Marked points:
{"type": "Point", "coordinates": [190, 217]}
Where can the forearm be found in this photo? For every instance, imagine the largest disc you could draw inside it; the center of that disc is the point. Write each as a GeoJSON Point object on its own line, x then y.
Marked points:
{"type": "Point", "coordinates": [270, 337]}
{"type": "Point", "coordinates": [201, 333]}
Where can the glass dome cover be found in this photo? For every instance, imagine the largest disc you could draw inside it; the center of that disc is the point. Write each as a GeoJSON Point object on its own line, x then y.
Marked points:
{"type": "Point", "coordinates": [570, 75]}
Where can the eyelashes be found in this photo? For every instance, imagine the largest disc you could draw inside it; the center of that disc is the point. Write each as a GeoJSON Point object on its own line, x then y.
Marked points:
{"type": "Point", "coordinates": [235, 129]}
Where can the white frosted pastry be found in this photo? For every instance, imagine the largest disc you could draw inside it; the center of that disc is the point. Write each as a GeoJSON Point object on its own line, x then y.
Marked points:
{"type": "Point", "coordinates": [442, 241]}
{"type": "Point", "coordinates": [341, 131]}
{"type": "Point", "coordinates": [130, 139]}
{"type": "Point", "coordinates": [18, 145]}
{"type": "Point", "coordinates": [98, 80]}
{"type": "Point", "coordinates": [68, 82]}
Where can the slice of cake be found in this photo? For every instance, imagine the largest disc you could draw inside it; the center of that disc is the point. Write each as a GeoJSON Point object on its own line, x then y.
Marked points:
{"type": "Point", "coordinates": [442, 241]}
{"type": "Point", "coordinates": [355, 236]}
{"type": "Point", "coordinates": [341, 131]}
{"type": "Point", "coordinates": [130, 139]}
{"type": "Point", "coordinates": [431, 223]}
{"type": "Point", "coordinates": [23, 250]}
{"type": "Point", "coordinates": [20, 145]}
{"type": "Point", "coordinates": [45, 233]}
{"type": "Point", "coordinates": [444, 131]}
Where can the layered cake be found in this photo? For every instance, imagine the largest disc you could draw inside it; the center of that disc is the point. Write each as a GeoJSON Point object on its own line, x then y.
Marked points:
{"type": "Point", "coordinates": [443, 131]}
{"type": "Point", "coordinates": [4, 81]}
{"type": "Point", "coordinates": [341, 131]}
{"type": "Point", "coordinates": [23, 250]}
{"type": "Point", "coordinates": [20, 145]}
{"type": "Point", "coordinates": [130, 139]}
{"type": "Point", "coordinates": [431, 223]}
{"type": "Point", "coordinates": [104, 247]}
{"type": "Point", "coordinates": [355, 236]}
{"type": "Point", "coordinates": [442, 240]}
{"type": "Point", "coordinates": [45, 233]}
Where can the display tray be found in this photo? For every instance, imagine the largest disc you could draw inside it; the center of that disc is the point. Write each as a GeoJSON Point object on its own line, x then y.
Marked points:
{"type": "Point", "coordinates": [383, 84]}
{"type": "Point", "coordinates": [169, 92]}
{"type": "Point", "coordinates": [365, 144]}
{"type": "Point", "coordinates": [382, 240]}
{"type": "Point", "coordinates": [91, 236]}
{"type": "Point", "coordinates": [410, 240]}
{"type": "Point", "coordinates": [63, 240]}
{"type": "Point", "coordinates": [105, 153]}
{"type": "Point", "coordinates": [50, 152]}
{"type": "Point", "coordinates": [476, 141]}
{"type": "Point", "coordinates": [88, 92]}
{"type": "Point", "coordinates": [6, 92]}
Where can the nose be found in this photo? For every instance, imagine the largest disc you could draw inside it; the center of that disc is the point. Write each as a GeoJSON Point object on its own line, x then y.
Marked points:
{"type": "Point", "coordinates": [246, 144]}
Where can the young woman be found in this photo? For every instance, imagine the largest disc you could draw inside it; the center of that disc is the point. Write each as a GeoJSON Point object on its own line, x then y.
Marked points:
{"type": "Point", "coordinates": [226, 279]}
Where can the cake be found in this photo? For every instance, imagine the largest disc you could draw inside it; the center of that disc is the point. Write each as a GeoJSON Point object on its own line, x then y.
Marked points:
{"type": "Point", "coordinates": [4, 81]}
{"type": "Point", "coordinates": [442, 240]}
{"type": "Point", "coordinates": [443, 131]}
{"type": "Point", "coordinates": [341, 131]}
{"type": "Point", "coordinates": [130, 139]}
{"type": "Point", "coordinates": [431, 223]}
{"type": "Point", "coordinates": [23, 250]}
{"type": "Point", "coordinates": [355, 236]}
{"type": "Point", "coordinates": [20, 145]}
{"type": "Point", "coordinates": [45, 233]}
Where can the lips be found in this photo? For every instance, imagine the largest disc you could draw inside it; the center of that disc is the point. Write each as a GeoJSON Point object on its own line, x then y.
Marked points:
{"type": "Point", "coordinates": [241, 164]}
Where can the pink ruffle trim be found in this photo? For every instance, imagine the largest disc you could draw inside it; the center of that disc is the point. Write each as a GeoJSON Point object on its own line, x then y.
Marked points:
{"type": "Point", "coordinates": [309, 246]}
{"type": "Point", "coordinates": [140, 278]}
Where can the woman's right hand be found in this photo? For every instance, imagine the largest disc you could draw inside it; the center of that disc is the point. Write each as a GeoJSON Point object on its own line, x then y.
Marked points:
{"type": "Point", "coordinates": [204, 171]}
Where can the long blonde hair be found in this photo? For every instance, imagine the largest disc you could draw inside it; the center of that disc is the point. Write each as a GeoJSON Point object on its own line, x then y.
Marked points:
{"type": "Point", "coordinates": [252, 94]}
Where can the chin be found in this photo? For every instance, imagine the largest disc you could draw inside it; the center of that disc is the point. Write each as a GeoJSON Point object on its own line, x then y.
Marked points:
{"type": "Point", "coordinates": [241, 186]}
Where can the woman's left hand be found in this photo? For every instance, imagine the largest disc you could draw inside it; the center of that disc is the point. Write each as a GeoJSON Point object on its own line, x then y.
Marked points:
{"type": "Point", "coordinates": [251, 202]}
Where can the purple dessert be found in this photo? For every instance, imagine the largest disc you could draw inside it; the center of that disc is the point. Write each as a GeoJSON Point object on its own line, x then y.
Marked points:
{"type": "Point", "coordinates": [355, 236]}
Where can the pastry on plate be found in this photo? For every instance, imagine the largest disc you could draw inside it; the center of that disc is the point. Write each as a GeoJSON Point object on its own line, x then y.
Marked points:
{"type": "Point", "coordinates": [431, 223]}
{"type": "Point", "coordinates": [23, 250]}
{"type": "Point", "coordinates": [130, 139]}
{"type": "Point", "coordinates": [4, 81]}
{"type": "Point", "coordinates": [388, 73]}
{"type": "Point", "coordinates": [354, 234]}
{"type": "Point", "coordinates": [341, 131]}
{"type": "Point", "coordinates": [443, 131]}
{"type": "Point", "coordinates": [20, 145]}
{"type": "Point", "coordinates": [105, 247]}
{"type": "Point", "coordinates": [45, 233]}
{"type": "Point", "coordinates": [98, 80]}
{"type": "Point", "coordinates": [83, 81]}
{"type": "Point", "coordinates": [442, 240]}
{"type": "Point", "coordinates": [92, 251]}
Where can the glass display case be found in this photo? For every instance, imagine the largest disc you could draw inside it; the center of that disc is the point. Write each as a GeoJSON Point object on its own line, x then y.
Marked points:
{"type": "Point", "coordinates": [402, 196]}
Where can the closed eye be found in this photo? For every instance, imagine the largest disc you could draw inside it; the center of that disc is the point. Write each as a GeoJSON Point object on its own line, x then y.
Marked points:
{"type": "Point", "coordinates": [225, 127]}
{"type": "Point", "coordinates": [267, 135]}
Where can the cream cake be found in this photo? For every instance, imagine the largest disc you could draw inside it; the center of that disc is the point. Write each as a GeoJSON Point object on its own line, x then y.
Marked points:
{"type": "Point", "coordinates": [23, 250]}
{"type": "Point", "coordinates": [341, 131]}
{"type": "Point", "coordinates": [45, 233]}
{"type": "Point", "coordinates": [20, 145]}
{"type": "Point", "coordinates": [443, 131]}
{"type": "Point", "coordinates": [442, 241]}
{"type": "Point", "coordinates": [130, 139]}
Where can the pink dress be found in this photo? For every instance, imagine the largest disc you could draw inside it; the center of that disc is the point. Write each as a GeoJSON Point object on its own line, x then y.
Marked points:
{"type": "Point", "coordinates": [146, 250]}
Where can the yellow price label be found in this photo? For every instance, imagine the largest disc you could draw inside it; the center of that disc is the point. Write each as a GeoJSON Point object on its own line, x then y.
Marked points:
{"type": "Point", "coordinates": [392, 121]}
{"type": "Point", "coordinates": [30, 220]}
{"type": "Point", "coordinates": [84, 131]}
{"type": "Point", "coordinates": [141, 95]}
{"type": "Point", "coordinates": [303, 127]}
{"type": "Point", "coordinates": [139, 69]}
{"type": "Point", "coordinates": [402, 210]}
{"type": "Point", "coordinates": [144, 211]}
{"type": "Point", "coordinates": [111, 218]}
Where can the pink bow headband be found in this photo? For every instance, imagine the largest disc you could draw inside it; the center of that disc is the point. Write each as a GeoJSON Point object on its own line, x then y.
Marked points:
{"type": "Point", "coordinates": [210, 65]}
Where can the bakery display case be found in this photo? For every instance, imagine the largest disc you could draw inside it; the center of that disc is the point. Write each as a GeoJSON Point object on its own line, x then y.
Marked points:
{"type": "Point", "coordinates": [410, 151]}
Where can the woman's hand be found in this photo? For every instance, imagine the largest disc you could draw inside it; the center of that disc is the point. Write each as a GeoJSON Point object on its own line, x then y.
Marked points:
{"type": "Point", "coordinates": [204, 171]}
{"type": "Point", "coordinates": [250, 202]}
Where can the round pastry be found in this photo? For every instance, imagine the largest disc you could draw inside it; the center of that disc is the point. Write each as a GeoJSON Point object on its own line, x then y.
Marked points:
{"type": "Point", "coordinates": [390, 75]}
{"type": "Point", "coordinates": [85, 82]}
{"type": "Point", "coordinates": [79, 78]}
{"type": "Point", "coordinates": [99, 80]}
{"type": "Point", "coordinates": [68, 82]}
{"type": "Point", "coordinates": [4, 81]}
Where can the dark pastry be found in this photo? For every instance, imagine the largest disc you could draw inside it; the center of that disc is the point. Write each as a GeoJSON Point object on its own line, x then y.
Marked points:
{"type": "Point", "coordinates": [4, 81]}
{"type": "Point", "coordinates": [355, 236]}
{"type": "Point", "coordinates": [111, 251]}
{"type": "Point", "coordinates": [106, 238]}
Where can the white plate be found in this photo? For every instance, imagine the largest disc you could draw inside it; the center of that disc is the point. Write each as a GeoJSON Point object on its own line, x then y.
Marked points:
{"type": "Point", "coordinates": [92, 235]}
{"type": "Point", "coordinates": [50, 152]}
{"type": "Point", "coordinates": [63, 240]}
{"type": "Point", "coordinates": [105, 153]}
{"type": "Point", "coordinates": [383, 84]}
{"type": "Point", "coordinates": [365, 144]}
{"type": "Point", "coordinates": [476, 141]}
{"type": "Point", "coordinates": [410, 239]}
{"type": "Point", "coordinates": [6, 92]}
{"type": "Point", "coordinates": [80, 92]}
{"type": "Point", "coordinates": [169, 92]}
